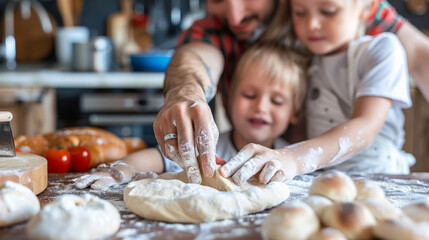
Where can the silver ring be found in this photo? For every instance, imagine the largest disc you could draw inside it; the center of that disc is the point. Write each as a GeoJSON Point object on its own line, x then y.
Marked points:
{"type": "Point", "coordinates": [169, 136]}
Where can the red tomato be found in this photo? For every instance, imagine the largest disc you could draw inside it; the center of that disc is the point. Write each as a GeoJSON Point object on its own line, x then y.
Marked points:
{"type": "Point", "coordinates": [59, 160]}
{"type": "Point", "coordinates": [220, 161]}
{"type": "Point", "coordinates": [17, 150]}
{"type": "Point", "coordinates": [80, 159]}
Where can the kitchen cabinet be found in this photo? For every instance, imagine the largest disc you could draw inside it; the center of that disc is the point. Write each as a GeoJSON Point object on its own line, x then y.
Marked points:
{"type": "Point", "coordinates": [33, 109]}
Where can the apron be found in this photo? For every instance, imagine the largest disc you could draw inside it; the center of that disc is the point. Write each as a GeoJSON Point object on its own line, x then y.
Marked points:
{"type": "Point", "coordinates": [382, 156]}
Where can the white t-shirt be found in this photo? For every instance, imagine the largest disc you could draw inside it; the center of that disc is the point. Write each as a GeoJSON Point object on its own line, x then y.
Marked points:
{"type": "Point", "coordinates": [225, 149]}
{"type": "Point", "coordinates": [371, 66]}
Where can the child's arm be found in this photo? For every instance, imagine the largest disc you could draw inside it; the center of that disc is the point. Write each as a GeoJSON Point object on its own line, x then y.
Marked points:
{"type": "Point", "coordinates": [122, 171]}
{"type": "Point", "coordinates": [331, 148]}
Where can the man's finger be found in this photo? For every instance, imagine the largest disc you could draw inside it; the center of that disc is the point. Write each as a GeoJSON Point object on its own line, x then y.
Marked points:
{"type": "Point", "coordinates": [187, 151]}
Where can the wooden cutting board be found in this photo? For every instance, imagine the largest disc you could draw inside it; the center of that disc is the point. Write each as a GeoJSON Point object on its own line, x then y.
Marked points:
{"type": "Point", "coordinates": [27, 169]}
{"type": "Point", "coordinates": [32, 43]}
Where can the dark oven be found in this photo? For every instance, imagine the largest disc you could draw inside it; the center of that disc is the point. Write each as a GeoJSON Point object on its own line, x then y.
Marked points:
{"type": "Point", "coordinates": [124, 112]}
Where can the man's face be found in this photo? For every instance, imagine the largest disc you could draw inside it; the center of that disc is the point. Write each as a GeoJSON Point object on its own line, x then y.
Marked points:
{"type": "Point", "coordinates": [243, 17]}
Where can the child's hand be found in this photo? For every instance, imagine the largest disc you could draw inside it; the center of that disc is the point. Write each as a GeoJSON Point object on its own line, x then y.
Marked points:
{"type": "Point", "coordinates": [255, 159]}
{"type": "Point", "coordinates": [105, 175]}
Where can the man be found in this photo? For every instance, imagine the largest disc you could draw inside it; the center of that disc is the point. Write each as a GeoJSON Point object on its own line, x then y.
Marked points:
{"type": "Point", "coordinates": [209, 50]}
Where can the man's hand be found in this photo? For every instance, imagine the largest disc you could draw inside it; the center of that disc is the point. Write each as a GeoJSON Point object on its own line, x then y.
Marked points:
{"type": "Point", "coordinates": [196, 132]}
{"type": "Point", "coordinates": [254, 159]}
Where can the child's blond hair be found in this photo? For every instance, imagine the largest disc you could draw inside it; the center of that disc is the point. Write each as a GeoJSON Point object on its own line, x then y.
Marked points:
{"type": "Point", "coordinates": [281, 65]}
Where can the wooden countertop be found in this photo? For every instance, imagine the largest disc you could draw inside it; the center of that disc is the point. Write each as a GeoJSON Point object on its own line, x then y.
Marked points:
{"type": "Point", "coordinates": [401, 189]}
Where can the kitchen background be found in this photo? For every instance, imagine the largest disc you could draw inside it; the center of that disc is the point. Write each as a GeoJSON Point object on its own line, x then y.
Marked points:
{"type": "Point", "coordinates": [56, 83]}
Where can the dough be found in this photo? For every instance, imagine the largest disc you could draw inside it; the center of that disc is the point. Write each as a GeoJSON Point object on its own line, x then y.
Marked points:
{"type": "Point", "coordinates": [74, 217]}
{"type": "Point", "coordinates": [400, 229]}
{"type": "Point", "coordinates": [352, 218]}
{"type": "Point", "coordinates": [294, 220]}
{"type": "Point", "coordinates": [418, 211]}
{"type": "Point", "coordinates": [318, 204]}
{"type": "Point", "coordinates": [328, 234]}
{"type": "Point", "coordinates": [382, 209]}
{"type": "Point", "coordinates": [334, 185]}
{"type": "Point", "coordinates": [367, 189]}
{"type": "Point", "coordinates": [17, 203]}
{"type": "Point", "coordinates": [176, 201]}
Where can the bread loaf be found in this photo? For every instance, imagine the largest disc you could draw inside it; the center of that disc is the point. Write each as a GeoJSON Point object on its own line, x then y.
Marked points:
{"type": "Point", "coordinates": [318, 204]}
{"type": "Point", "coordinates": [328, 234]}
{"type": "Point", "coordinates": [418, 211]}
{"type": "Point", "coordinates": [400, 229]}
{"type": "Point", "coordinates": [367, 189]}
{"type": "Point", "coordinates": [103, 146]}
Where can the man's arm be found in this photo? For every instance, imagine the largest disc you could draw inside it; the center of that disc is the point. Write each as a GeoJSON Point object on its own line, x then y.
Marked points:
{"type": "Point", "coordinates": [416, 46]}
{"type": "Point", "coordinates": [190, 81]}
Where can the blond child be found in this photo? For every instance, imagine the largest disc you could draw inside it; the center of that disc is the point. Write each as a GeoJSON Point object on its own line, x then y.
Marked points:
{"type": "Point", "coordinates": [267, 91]}
{"type": "Point", "coordinates": [357, 88]}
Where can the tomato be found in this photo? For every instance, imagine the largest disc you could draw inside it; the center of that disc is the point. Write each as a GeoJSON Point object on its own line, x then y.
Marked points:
{"type": "Point", "coordinates": [17, 150]}
{"type": "Point", "coordinates": [220, 161]}
{"type": "Point", "coordinates": [80, 158]}
{"type": "Point", "coordinates": [59, 160]}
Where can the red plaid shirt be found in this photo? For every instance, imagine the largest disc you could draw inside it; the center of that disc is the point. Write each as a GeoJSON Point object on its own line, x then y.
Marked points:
{"type": "Point", "coordinates": [384, 18]}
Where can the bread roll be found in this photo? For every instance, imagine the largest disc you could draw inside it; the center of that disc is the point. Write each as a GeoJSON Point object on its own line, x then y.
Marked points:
{"type": "Point", "coordinates": [352, 218]}
{"type": "Point", "coordinates": [367, 189]}
{"type": "Point", "coordinates": [294, 220]}
{"type": "Point", "coordinates": [334, 185]}
{"type": "Point", "coordinates": [328, 234]}
{"type": "Point", "coordinates": [103, 146]}
{"type": "Point", "coordinates": [418, 211]}
{"type": "Point", "coordinates": [382, 209]}
{"type": "Point", "coordinates": [318, 204]}
{"type": "Point", "coordinates": [17, 203]}
{"type": "Point", "coordinates": [400, 229]}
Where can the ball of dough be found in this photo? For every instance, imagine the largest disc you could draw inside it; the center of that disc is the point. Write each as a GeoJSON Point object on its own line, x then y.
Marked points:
{"type": "Point", "coordinates": [334, 185]}
{"type": "Point", "coordinates": [382, 209]}
{"type": "Point", "coordinates": [17, 203]}
{"type": "Point", "coordinates": [74, 217]}
{"type": "Point", "coordinates": [328, 234]}
{"type": "Point", "coordinates": [368, 189]}
{"type": "Point", "coordinates": [351, 218]}
{"type": "Point", "coordinates": [418, 211]}
{"type": "Point", "coordinates": [294, 220]}
{"type": "Point", "coordinates": [400, 229]}
{"type": "Point", "coordinates": [318, 204]}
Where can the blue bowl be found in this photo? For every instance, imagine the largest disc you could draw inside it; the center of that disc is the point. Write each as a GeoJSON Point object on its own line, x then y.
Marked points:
{"type": "Point", "coordinates": [151, 61]}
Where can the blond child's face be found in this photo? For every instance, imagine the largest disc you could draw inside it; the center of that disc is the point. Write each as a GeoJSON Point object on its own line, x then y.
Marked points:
{"type": "Point", "coordinates": [261, 110]}
{"type": "Point", "coordinates": [326, 26]}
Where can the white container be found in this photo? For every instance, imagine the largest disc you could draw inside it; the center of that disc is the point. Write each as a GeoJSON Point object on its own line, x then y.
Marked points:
{"type": "Point", "coordinates": [65, 38]}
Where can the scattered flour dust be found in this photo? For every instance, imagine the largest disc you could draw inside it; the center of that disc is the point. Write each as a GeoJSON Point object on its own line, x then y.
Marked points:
{"type": "Point", "coordinates": [401, 191]}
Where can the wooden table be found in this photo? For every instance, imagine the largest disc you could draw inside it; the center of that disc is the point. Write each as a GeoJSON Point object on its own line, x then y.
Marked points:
{"type": "Point", "coordinates": [400, 189]}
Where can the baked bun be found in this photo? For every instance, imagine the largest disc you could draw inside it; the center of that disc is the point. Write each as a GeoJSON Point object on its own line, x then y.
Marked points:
{"type": "Point", "coordinates": [328, 234]}
{"type": "Point", "coordinates": [334, 185]}
{"type": "Point", "coordinates": [318, 204]}
{"type": "Point", "coordinates": [294, 220]}
{"type": "Point", "coordinates": [367, 189]}
{"type": "Point", "coordinates": [134, 144]}
{"type": "Point", "coordinates": [352, 218]}
{"type": "Point", "coordinates": [400, 229]}
{"type": "Point", "coordinates": [382, 209]}
{"type": "Point", "coordinates": [418, 211]}
{"type": "Point", "coordinates": [17, 203]}
{"type": "Point", "coordinates": [103, 146]}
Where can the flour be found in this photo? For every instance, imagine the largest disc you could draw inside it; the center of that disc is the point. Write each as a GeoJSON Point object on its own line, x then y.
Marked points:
{"type": "Point", "coordinates": [311, 159]}
{"type": "Point", "coordinates": [345, 144]}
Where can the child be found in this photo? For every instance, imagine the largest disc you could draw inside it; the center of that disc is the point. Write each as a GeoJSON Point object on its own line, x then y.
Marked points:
{"type": "Point", "coordinates": [357, 87]}
{"type": "Point", "coordinates": [268, 89]}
